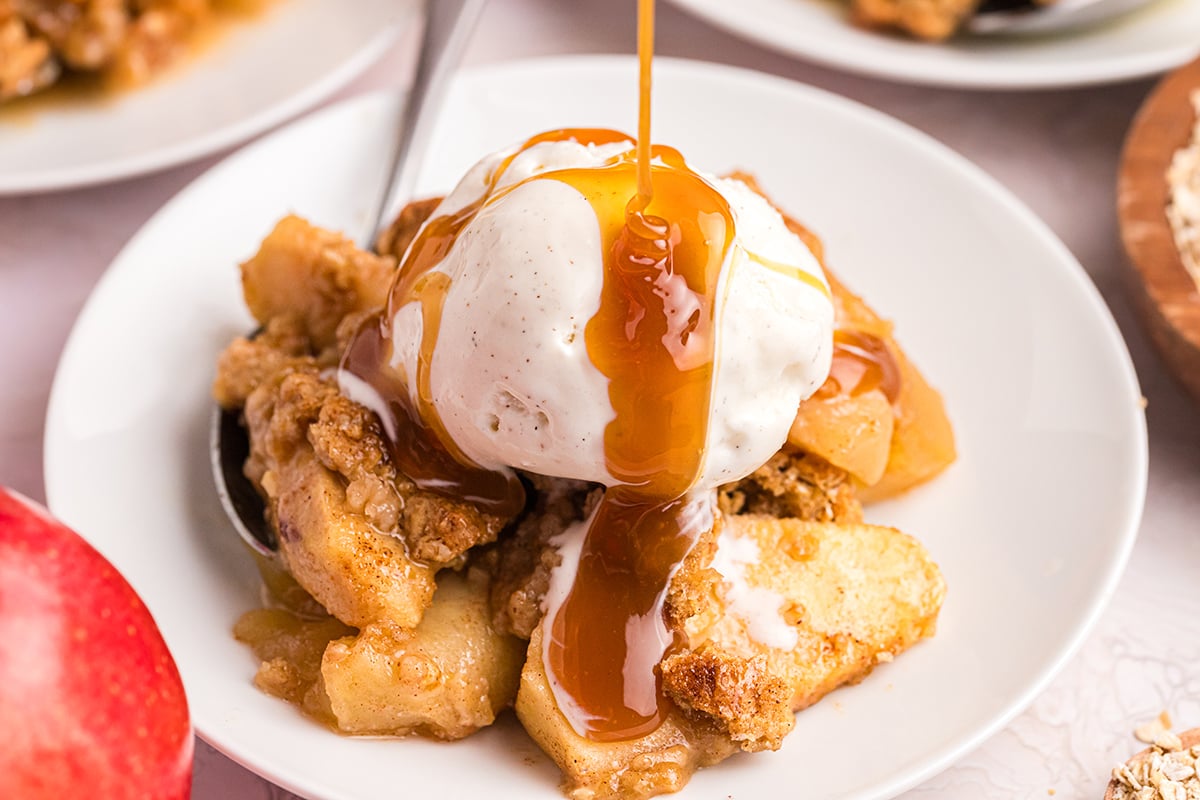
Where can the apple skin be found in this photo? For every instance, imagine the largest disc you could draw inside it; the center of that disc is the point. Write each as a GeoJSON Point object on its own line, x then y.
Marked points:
{"type": "Point", "coordinates": [91, 704]}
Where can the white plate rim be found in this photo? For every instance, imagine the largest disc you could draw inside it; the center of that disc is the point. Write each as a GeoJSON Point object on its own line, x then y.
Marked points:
{"type": "Point", "coordinates": [700, 70]}
{"type": "Point", "coordinates": [977, 76]}
{"type": "Point", "coordinates": [208, 142]}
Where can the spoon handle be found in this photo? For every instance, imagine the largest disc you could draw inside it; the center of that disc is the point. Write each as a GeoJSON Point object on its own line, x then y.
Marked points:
{"type": "Point", "coordinates": [448, 27]}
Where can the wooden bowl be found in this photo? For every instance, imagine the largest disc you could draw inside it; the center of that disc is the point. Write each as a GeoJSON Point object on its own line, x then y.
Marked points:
{"type": "Point", "coordinates": [1189, 738]}
{"type": "Point", "coordinates": [1166, 294]}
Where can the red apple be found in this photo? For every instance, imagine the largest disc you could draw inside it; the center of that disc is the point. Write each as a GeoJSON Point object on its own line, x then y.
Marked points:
{"type": "Point", "coordinates": [91, 705]}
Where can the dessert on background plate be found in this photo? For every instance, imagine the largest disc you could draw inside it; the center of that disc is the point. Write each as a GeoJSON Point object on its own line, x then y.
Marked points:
{"type": "Point", "coordinates": [249, 65]}
{"type": "Point", "coordinates": [1147, 41]}
{"type": "Point", "coordinates": [122, 43]}
{"type": "Point", "coordinates": [931, 20]}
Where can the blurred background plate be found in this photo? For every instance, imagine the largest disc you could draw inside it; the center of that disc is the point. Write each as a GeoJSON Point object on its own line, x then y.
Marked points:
{"type": "Point", "coordinates": [1156, 38]}
{"type": "Point", "coordinates": [1032, 526]}
{"type": "Point", "coordinates": [257, 73]}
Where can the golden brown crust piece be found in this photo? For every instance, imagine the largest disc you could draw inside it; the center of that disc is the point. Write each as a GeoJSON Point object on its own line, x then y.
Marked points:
{"type": "Point", "coordinates": [794, 484]}
{"type": "Point", "coordinates": [525, 557]}
{"type": "Point", "coordinates": [250, 361]}
{"type": "Point", "coordinates": [315, 275]}
{"type": "Point", "coordinates": [119, 42]}
{"type": "Point", "coordinates": [27, 63]}
{"type": "Point", "coordinates": [855, 595]}
{"type": "Point", "coordinates": [360, 538]}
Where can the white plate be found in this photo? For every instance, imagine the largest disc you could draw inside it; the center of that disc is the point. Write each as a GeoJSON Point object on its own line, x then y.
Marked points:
{"type": "Point", "coordinates": [260, 72]}
{"type": "Point", "coordinates": [1151, 40]}
{"type": "Point", "coordinates": [1032, 526]}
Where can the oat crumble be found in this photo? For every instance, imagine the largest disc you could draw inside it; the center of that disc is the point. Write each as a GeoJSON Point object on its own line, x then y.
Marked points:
{"type": "Point", "coordinates": [1168, 771]}
{"type": "Point", "coordinates": [1183, 206]}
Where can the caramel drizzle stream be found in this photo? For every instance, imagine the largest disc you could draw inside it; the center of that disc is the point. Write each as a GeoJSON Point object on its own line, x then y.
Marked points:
{"type": "Point", "coordinates": [653, 337]}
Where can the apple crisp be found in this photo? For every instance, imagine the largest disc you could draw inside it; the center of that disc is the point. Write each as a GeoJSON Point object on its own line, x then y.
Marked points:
{"type": "Point", "coordinates": [398, 610]}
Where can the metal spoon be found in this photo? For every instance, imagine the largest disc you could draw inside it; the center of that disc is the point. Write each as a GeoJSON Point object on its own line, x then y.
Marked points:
{"type": "Point", "coordinates": [1025, 16]}
{"type": "Point", "coordinates": [448, 26]}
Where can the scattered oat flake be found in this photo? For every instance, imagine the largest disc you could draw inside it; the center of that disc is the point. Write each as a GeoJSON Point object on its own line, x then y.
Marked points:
{"type": "Point", "coordinates": [1150, 731]}
{"type": "Point", "coordinates": [1168, 742]}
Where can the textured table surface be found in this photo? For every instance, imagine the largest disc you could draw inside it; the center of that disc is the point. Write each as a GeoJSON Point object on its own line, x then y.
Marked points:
{"type": "Point", "coordinates": [1057, 150]}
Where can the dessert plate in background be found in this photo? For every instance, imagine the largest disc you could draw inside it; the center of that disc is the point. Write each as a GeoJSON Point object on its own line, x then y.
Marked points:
{"type": "Point", "coordinates": [259, 72]}
{"type": "Point", "coordinates": [1151, 40]}
{"type": "Point", "coordinates": [1032, 526]}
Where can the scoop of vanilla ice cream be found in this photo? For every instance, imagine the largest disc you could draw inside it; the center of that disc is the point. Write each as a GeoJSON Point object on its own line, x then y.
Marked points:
{"type": "Point", "coordinates": [510, 375]}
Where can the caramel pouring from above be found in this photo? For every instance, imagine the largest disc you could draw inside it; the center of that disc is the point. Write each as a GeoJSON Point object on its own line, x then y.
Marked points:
{"type": "Point", "coordinates": [666, 235]}
{"type": "Point", "coordinates": [653, 338]}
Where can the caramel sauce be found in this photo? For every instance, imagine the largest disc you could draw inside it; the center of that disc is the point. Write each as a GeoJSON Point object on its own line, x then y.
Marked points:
{"type": "Point", "coordinates": [609, 635]}
{"type": "Point", "coordinates": [861, 362]}
{"type": "Point", "coordinates": [666, 234]}
{"type": "Point", "coordinates": [653, 337]}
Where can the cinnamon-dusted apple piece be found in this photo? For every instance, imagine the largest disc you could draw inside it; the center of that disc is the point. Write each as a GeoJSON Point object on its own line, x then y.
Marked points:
{"type": "Point", "coordinates": [849, 426]}
{"type": "Point", "coordinates": [446, 678]}
{"type": "Point", "coordinates": [316, 275]}
{"type": "Point", "coordinates": [363, 540]}
{"type": "Point", "coordinates": [922, 443]}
